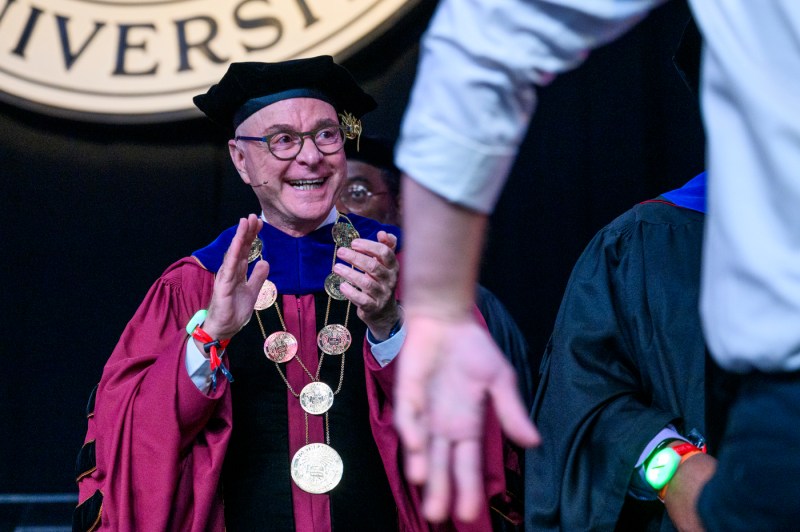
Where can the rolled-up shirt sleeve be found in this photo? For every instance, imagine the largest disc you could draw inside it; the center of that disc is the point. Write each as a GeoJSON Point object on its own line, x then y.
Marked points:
{"type": "Point", "coordinates": [474, 93]}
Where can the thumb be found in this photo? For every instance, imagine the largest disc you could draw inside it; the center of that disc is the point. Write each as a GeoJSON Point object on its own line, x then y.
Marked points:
{"type": "Point", "coordinates": [258, 276]}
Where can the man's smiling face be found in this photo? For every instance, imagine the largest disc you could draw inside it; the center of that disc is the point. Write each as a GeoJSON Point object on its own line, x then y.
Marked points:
{"type": "Point", "coordinates": [296, 195]}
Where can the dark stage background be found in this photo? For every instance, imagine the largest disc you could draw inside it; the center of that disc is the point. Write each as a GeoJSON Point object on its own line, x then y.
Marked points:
{"type": "Point", "coordinates": [92, 214]}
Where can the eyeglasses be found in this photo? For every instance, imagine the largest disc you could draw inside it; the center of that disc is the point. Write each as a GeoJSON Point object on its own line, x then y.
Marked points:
{"type": "Point", "coordinates": [286, 145]}
{"type": "Point", "coordinates": [356, 196]}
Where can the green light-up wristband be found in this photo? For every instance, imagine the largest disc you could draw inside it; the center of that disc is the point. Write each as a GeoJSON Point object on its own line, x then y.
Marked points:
{"type": "Point", "coordinates": [664, 462]}
{"type": "Point", "coordinates": [196, 321]}
{"type": "Point", "coordinates": [661, 468]}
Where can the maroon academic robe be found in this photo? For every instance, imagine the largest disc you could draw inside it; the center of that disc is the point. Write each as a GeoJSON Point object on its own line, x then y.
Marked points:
{"type": "Point", "coordinates": [160, 444]}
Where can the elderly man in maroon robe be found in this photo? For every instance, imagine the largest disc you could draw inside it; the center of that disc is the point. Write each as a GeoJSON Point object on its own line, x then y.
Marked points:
{"type": "Point", "coordinates": [252, 389]}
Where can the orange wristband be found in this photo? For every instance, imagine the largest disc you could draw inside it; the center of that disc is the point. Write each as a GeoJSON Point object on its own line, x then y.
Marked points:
{"type": "Point", "coordinates": [684, 450]}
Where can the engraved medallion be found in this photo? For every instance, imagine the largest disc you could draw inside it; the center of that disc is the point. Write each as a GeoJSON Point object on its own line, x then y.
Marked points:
{"type": "Point", "coordinates": [255, 250]}
{"type": "Point", "coordinates": [317, 468]}
{"type": "Point", "coordinates": [266, 296]}
{"type": "Point", "coordinates": [332, 283]}
{"type": "Point", "coordinates": [316, 398]}
{"type": "Point", "coordinates": [280, 346]}
{"type": "Point", "coordinates": [344, 234]}
{"type": "Point", "coordinates": [334, 339]}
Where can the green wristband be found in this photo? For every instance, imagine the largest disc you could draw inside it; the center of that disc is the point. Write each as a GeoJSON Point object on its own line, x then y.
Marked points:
{"type": "Point", "coordinates": [661, 467]}
{"type": "Point", "coordinates": [196, 321]}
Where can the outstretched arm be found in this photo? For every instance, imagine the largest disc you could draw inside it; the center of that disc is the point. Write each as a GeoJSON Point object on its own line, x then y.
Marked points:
{"type": "Point", "coordinates": [469, 110]}
{"type": "Point", "coordinates": [450, 365]}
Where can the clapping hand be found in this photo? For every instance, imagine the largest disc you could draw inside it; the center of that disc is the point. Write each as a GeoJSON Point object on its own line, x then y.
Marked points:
{"type": "Point", "coordinates": [371, 285]}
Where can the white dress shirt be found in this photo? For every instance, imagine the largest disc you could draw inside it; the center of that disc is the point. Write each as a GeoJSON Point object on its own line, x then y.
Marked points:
{"type": "Point", "coordinates": [474, 96]}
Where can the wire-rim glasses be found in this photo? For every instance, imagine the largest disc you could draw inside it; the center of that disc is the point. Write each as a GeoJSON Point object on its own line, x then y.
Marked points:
{"type": "Point", "coordinates": [357, 195]}
{"type": "Point", "coordinates": [285, 145]}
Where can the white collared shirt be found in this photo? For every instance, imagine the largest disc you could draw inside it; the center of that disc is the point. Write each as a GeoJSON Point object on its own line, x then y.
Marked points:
{"type": "Point", "coordinates": [474, 96]}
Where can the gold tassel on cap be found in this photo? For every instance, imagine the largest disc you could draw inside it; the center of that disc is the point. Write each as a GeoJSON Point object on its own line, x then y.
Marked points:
{"type": "Point", "coordinates": [352, 127]}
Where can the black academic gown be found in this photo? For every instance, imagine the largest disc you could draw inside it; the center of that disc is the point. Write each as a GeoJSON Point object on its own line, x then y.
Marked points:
{"type": "Point", "coordinates": [625, 359]}
{"type": "Point", "coordinates": [509, 338]}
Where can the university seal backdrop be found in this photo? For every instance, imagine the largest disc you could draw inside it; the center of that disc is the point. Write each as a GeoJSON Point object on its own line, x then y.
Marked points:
{"type": "Point", "coordinates": [120, 60]}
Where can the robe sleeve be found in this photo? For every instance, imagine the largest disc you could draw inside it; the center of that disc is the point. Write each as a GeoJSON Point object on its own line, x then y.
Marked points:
{"type": "Point", "coordinates": [594, 407]}
{"type": "Point", "coordinates": [160, 442]}
{"type": "Point", "coordinates": [380, 391]}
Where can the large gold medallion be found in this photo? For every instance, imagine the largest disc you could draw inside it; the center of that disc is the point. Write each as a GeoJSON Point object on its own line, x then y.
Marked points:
{"type": "Point", "coordinates": [266, 296]}
{"type": "Point", "coordinates": [317, 468]}
{"type": "Point", "coordinates": [334, 339]}
{"type": "Point", "coordinates": [344, 234]}
{"type": "Point", "coordinates": [280, 346]}
{"type": "Point", "coordinates": [316, 398]}
{"type": "Point", "coordinates": [255, 250]}
{"type": "Point", "coordinates": [332, 283]}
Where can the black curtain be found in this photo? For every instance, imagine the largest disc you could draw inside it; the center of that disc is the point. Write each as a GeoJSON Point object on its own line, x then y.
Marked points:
{"type": "Point", "coordinates": [92, 214]}
{"type": "Point", "coordinates": [621, 129]}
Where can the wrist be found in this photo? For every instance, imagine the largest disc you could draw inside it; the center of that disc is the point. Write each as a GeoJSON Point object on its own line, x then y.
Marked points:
{"type": "Point", "coordinates": [452, 314]}
{"type": "Point", "coordinates": [376, 339]}
{"type": "Point", "coordinates": [384, 329]}
{"type": "Point", "coordinates": [212, 347]}
{"type": "Point", "coordinates": [214, 328]}
{"type": "Point", "coordinates": [214, 331]}
{"type": "Point", "coordinates": [680, 500]}
{"type": "Point", "coordinates": [664, 461]}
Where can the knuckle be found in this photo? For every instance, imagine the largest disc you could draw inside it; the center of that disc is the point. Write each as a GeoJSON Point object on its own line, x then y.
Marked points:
{"type": "Point", "coordinates": [369, 285]}
{"type": "Point", "coordinates": [372, 265]}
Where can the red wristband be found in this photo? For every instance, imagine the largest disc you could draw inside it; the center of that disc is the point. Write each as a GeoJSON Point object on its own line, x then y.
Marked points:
{"type": "Point", "coordinates": [684, 450]}
{"type": "Point", "coordinates": [210, 346]}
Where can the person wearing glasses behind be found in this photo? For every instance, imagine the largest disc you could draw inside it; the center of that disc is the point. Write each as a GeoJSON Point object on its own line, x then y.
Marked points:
{"type": "Point", "coordinates": [252, 390]}
{"type": "Point", "coordinates": [372, 187]}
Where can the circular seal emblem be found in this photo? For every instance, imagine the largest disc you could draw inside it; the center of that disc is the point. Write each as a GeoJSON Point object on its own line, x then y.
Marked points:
{"type": "Point", "coordinates": [332, 283]}
{"type": "Point", "coordinates": [266, 296]}
{"type": "Point", "coordinates": [316, 398]}
{"type": "Point", "coordinates": [143, 60]}
{"type": "Point", "coordinates": [317, 468]}
{"type": "Point", "coordinates": [280, 346]}
{"type": "Point", "coordinates": [344, 233]}
{"type": "Point", "coordinates": [334, 339]}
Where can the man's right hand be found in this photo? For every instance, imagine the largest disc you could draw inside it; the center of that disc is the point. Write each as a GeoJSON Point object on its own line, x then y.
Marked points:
{"type": "Point", "coordinates": [234, 295]}
{"type": "Point", "coordinates": [448, 369]}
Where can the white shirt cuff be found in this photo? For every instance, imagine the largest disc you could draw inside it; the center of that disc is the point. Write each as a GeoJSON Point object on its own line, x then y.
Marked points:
{"type": "Point", "coordinates": [667, 433]}
{"type": "Point", "coordinates": [639, 487]}
{"type": "Point", "coordinates": [386, 351]}
{"type": "Point", "coordinates": [198, 367]}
